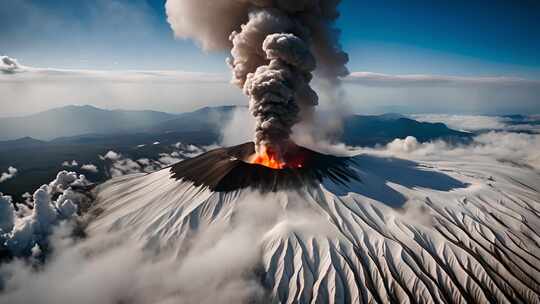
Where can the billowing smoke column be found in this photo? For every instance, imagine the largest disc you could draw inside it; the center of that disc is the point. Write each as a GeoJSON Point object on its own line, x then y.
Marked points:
{"type": "Point", "coordinates": [275, 47]}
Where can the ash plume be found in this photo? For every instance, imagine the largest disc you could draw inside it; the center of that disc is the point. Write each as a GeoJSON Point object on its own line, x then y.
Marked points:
{"type": "Point", "coordinates": [275, 46]}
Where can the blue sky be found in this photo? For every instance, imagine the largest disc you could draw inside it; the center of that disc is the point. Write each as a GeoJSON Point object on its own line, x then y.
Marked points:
{"type": "Point", "coordinates": [460, 37]}
{"type": "Point", "coordinates": [390, 36]}
{"type": "Point", "coordinates": [455, 38]}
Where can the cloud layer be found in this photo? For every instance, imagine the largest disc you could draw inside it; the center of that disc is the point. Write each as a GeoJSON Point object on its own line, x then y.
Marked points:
{"type": "Point", "coordinates": [170, 91]}
{"type": "Point", "coordinates": [376, 92]}
{"type": "Point", "coordinates": [215, 267]}
{"type": "Point", "coordinates": [482, 122]}
{"type": "Point", "coordinates": [420, 80]}
{"type": "Point", "coordinates": [176, 91]}
{"type": "Point", "coordinates": [24, 230]}
{"type": "Point", "coordinates": [218, 264]}
{"type": "Point", "coordinates": [90, 168]}
{"type": "Point", "coordinates": [119, 164]}
{"type": "Point", "coordinates": [9, 65]}
{"type": "Point", "coordinates": [11, 172]}
{"type": "Point", "coordinates": [518, 149]}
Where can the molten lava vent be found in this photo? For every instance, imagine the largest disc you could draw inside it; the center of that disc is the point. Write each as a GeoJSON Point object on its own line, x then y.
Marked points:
{"type": "Point", "coordinates": [229, 169]}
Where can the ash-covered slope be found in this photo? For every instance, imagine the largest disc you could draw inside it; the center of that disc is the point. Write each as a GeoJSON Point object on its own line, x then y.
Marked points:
{"type": "Point", "coordinates": [225, 170]}
{"type": "Point", "coordinates": [360, 229]}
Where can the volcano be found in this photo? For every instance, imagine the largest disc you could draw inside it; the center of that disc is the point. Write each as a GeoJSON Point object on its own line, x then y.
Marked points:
{"type": "Point", "coordinates": [230, 169]}
{"type": "Point", "coordinates": [363, 228]}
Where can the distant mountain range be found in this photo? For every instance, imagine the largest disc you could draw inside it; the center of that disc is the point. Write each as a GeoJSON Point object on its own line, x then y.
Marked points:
{"type": "Point", "coordinates": [84, 123]}
{"type": "Point", "coordinates": [77, 120]}
{"type": "Point", "coordinates": [82, 133]}
{"type": "Point", "coordinates": [370, 130]}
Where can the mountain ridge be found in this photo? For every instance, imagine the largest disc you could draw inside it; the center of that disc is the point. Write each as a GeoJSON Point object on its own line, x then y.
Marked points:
{"type": "Point", "coordinates": [78, 121]}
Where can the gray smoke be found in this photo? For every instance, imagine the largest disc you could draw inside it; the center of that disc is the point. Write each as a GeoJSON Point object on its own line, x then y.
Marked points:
{"type": "Point", "coordinates": [275, 47]}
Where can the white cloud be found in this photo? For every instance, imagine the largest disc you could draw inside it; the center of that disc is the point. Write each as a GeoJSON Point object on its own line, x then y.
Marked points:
{"type": "Point", "coordinates": [90, 168]}
{"type": "Point", "coordinates": [25, 231]}
{"type": "Point", "coordinates": [168, 159]}
{"type": "Point", "coordinates": [382, 93]}
{"type": "Point", "coordinates": [465, 122]}
{"type": "Point", "coordinates": [72, 163]}
{"type": "Point", "coordinates": [144, 161]}
{"type": "Point", "coordinates": [172, 91]}
{"type": "Point", "coordinates": [176, 91]}
{"type": "Point", "coordinates": [479, 122]}
{"type": "Point", "coordinates": [11, 172]}
{"type": "Point", "coordinates": [65, 179]}
{"type": "Point", "coordinates": [111, 155]}
{"type": "Point", "coordinates": [7, 211]}
{"type": "Point", "coordinates": [122, 165]}
{"type": "Point", "coordinates": [50, 75]}
{"type": "Point", "coordinates": [420, 80]}
{"type": "Point", "coordinates": [516, 148]}
{"type": "Point", "coordinates": [406, 145]}
{"type": "Point", "coordinates": [215, 267]}
{"type": "Point", "coordinates": [9, 65]}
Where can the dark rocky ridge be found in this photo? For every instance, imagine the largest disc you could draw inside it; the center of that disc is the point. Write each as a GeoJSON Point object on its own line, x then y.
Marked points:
{"type": "Point", "coordinates": [225, 170]}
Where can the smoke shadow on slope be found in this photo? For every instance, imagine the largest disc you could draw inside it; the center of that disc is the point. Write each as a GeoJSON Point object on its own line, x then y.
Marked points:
{"type": "Point", "coordinates": [375, 173]}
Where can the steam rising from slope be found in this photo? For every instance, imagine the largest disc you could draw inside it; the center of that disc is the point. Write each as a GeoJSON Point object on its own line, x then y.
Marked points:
{"type": "Point", "coordinates": [275, 47]}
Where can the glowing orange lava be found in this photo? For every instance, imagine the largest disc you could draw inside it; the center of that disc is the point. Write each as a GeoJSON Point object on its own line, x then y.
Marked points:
{"type": "Point", "coordinates": [268, 159]}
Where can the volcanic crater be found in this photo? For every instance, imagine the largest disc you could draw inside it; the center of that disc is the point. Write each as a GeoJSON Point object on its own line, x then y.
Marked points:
{"type": "Point", "coordinates": [229, 169]}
